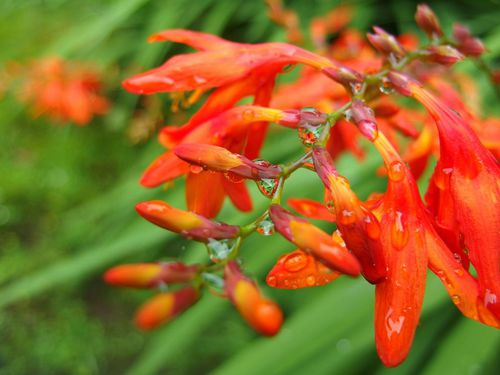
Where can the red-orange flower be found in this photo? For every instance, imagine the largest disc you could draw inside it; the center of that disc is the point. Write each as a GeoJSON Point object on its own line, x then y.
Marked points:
{"type": "Point", "coordinates": [64, 91]}
{"type": "Point", "coordinates": [464, 169]}
{"type": "Point", "coordinates": [261, 314]}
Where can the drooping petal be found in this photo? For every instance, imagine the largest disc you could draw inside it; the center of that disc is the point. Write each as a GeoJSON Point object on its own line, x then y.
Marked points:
{"type": "Point", "coordinates": [237, 192]}
{"type": "Point", "coordinates": [311, 209]}
{"type": "Point", "coordinates": [205, 193]}
{"type": "Point", "coordinates": [299, 269]}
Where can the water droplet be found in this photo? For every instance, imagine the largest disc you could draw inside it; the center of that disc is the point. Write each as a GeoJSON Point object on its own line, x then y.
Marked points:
{"type": "Point", "coordinates": [220, 249]}
{"type": "Point", "coordinates": [272, 281]}
{"type": "Point", "coordinates": [295, 262]}
{"type": "Point", "coordinates": [347, 217]}
{"type": "Point", "coordinates": [356, 87]}
{"type": "Point", "coordinates": [456, 299]}
{"type": "Point", "coordinates": [200, 80]}
{"type": "Point", "coordinates": [393, 325]}
{"type": "Point", "coordinates": [267, 186]}
{"type": "Point", "coordinates": [447, 170]}
{"type": "Point", "coordinates": [265, 227]}
{"type": "Point", "coordinates": [233, 177]}
{"type": "Point", "coordinates": [396, 171]}
{"type": "Point", "coordinates": [309, 134]}
{"type": "Point", "coordinates": [167, 80]}
{"type": "Point", "coordinates": [459, 272]}
{"type": "Point", "coordinates": [248, 115]}
{"type": "Point", "coordinates": [489, 298]}
{"type": "Point", "coordinates": [213, 281]}
{"type": "Point", "coordinates": [386, 87]}
{"type": "Point", "coordinates": [399, 231]}
{"type": "Point", "coordinates": [195, 169]}
{"type": "Point", "coordinates": [348, 115]}
{"type": "Point", "coordinates": [457, 257]}
{"type": "Point", "coordinates": [310, 280]}
{"type": "Point", "coordinates": [372, 226]}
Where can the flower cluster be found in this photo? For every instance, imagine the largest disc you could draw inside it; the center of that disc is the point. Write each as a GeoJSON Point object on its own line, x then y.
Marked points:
{"type": "Point", "coordinates": [62, 90]}
{"type": "Point", "coordinates": [346, 96]}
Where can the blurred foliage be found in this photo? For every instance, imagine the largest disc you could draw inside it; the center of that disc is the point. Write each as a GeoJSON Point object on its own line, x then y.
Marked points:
{"type": "Point", "coordinates": [66, 214]}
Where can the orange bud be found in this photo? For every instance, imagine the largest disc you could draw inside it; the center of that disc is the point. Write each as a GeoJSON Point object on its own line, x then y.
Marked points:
{"type": "Point", "coordinates": [164, 307]}
{"type": "Point", "coordinates": [428, 21]}
{"type": "Point", "coordinates": [261, 314]}
{"type": "Point", "coordinates": [149, 275]}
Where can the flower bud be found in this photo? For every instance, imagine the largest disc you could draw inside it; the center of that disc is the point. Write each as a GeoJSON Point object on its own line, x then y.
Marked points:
{"type": "Point", "coordinates": [189, 224]}
{"type": "Point", "coordinates": [445, 55]}
{"type": "Point", "coordinates": [261, 314]}
{"type": "Point", "coordinates": [219, 159]}
{"type": "Point", "coordinates": [312, 239]}
{"type": "Point", "coordinates": [164, 307]}
{"type": "Point", "coordinates": [385, 42]}
{"type": "Point", "coordinates": [401, 82]}
{"type": "Point", "coordinates": [364, 119]}
{"type": "Point", "coordinates": [150, 275]}
{"type": "Point", "coordinates": [427, 21]}
{"type": "Point", "coordinates": [343, 75]}
{"type": "Point", "coordinates": [295, 118]}
{"type": "Point", "coordinates": [465, 42]}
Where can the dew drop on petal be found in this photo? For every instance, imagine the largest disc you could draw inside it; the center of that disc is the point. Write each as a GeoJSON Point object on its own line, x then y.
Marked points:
{"type": "Point", "coordinates": [295, 262]}
{"type": "Point", "coordinates": [372, 227]}
{"type": "Point", "coordinates": [167, 80]}
{"type": "Point", "coordinates": [459, 272]}
{"type": "Point", "coordinates": [271, 281]}
{"type": "Point", "coordinates": [456, 299]}
{"type": "Point", "coordinates": [310, 280]}
{"type": "Point", "coordinates": [248, 115]}
{"type": "Point", "coordinates": [195, 169]}
{"type": "Point", "coordinates": [347, 217]}
{"type": "Point", "coordinates": [199, 80]}
{"type": "Point", "coordinates": [396, 171]}
{"type": "Point", "coordinates": [399, 231]}
{"type": "Point", "coordinates": [267, 186]}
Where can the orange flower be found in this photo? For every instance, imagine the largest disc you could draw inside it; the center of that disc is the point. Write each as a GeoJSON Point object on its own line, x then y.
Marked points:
{"type": "Point", "coordinates": [164, 307]}
{"type": "Point", "coordinates": [64, 91]}
{"type": "Point", "coordinates": [465, 168]}
{"type": "Point", "coordinates": [260, 313]}
{"type": "Point", "coordinates": [313, 240]}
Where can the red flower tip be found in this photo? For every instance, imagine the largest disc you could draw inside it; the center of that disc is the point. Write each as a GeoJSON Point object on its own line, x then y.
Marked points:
{"type": "Point", "coordinates": [364, 119]}
{"type": "Point", "coordinates": [219, 159]}
{"type": "Point", "coordinates": [343, 75]}
{"type": "Point", "coordinates": [385, 42]}
{"type": "Point", "coordinates": [299, 269]}
{"type": "Point", "coordinates": [445, 55]}
{"type": "Point", "coordinates": [401, 82]}
{"type": "Point", "coordinates": [466, 43]}
{"type": "Point", "coordinates": [427, 21]}
{"type": "Point", "coordinates": [149, 275]}
{"type": "Point", "coordinates": [164, 307]}
{"type": "Point", "coordinates": [261, 314]}
{"type": "Point", "coordinates": [186, 223]}
{"type": "Point", "coordinates": [312, 239]}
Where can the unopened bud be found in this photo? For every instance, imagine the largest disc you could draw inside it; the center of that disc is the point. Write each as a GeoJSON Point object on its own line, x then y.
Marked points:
{"type": "Point", "coordinates": [401, 82]}
{"type": "Point", "coordinates": [343, 75]}
{"type": "Point", "coordinates": [189, 224]}
{"type": "Point", "coordinates": [427, 20]}
{"type": "Point", "coordinates": [150, 275]}
{"type": "Point", "coordinates": [385, 42]}
{"type": "Point", "coordinates": [466, 43]}
{"type": "Point", "coordinates": [164, 307]}
{"type": "Point", "coordinates": [364, 119]}
{"type": "Point", "coordinates": [445, 55]}
{"type": "Point", "coordinates": [261, 314]}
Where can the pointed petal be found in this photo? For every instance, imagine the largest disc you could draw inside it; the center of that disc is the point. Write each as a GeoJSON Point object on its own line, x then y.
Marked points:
{"type": "Point", "coordinates": [201, 199]}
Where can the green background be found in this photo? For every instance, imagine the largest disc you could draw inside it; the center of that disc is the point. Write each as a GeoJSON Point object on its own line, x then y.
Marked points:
{"type": "Point", "coordinates": [67, 197]}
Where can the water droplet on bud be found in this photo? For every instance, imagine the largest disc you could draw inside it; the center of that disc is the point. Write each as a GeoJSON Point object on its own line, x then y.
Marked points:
{"type": "Point", "coordinates": [399, 231]}
{"type": "Point", "coordinates": [372, 227]}
{"type": "Point", "coordinates": [220, 249]}
{"type": "Point", "coordinates": [309, 134]}
{"type": "Point", "coordinates": [195, 169]}
{"type": "Point", "coordinates": [267, 186]}
{"type": "Point", "coordinates": [295, 262]}
{"type": "Point", "coordinates": [248, 114]}
{"type": "Point", "coordinates": [347, 217]}
{"type": "Point", "coordinates": [265, 227]}
{"type": "Point", "coordinates": [396, 171]}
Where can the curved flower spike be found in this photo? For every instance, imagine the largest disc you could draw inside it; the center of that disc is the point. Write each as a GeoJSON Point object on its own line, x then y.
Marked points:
{"type": "Point", "coordinates": [164, 307]}
{"type": "Point", "coordinates": [465, 174]}
{"type": "Point", "coordinates": [219, 159]}
{"type": "Point", "coordinates": [299, 269]}
{"type": "Point", "coordinates": [312, 239]}
{"type": "Point", "coordinates": [261, 314]}
{"type": "Point", "coordinates": [150, 275]}
{"type": "Point", "coordinates": [189, 224]}
{"type": "Point", "coordinates": [311, 209]}
{"type": "Point", "coordinates": [359, 227]}
{"type": "Point", "coordinates": [201, 70]}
